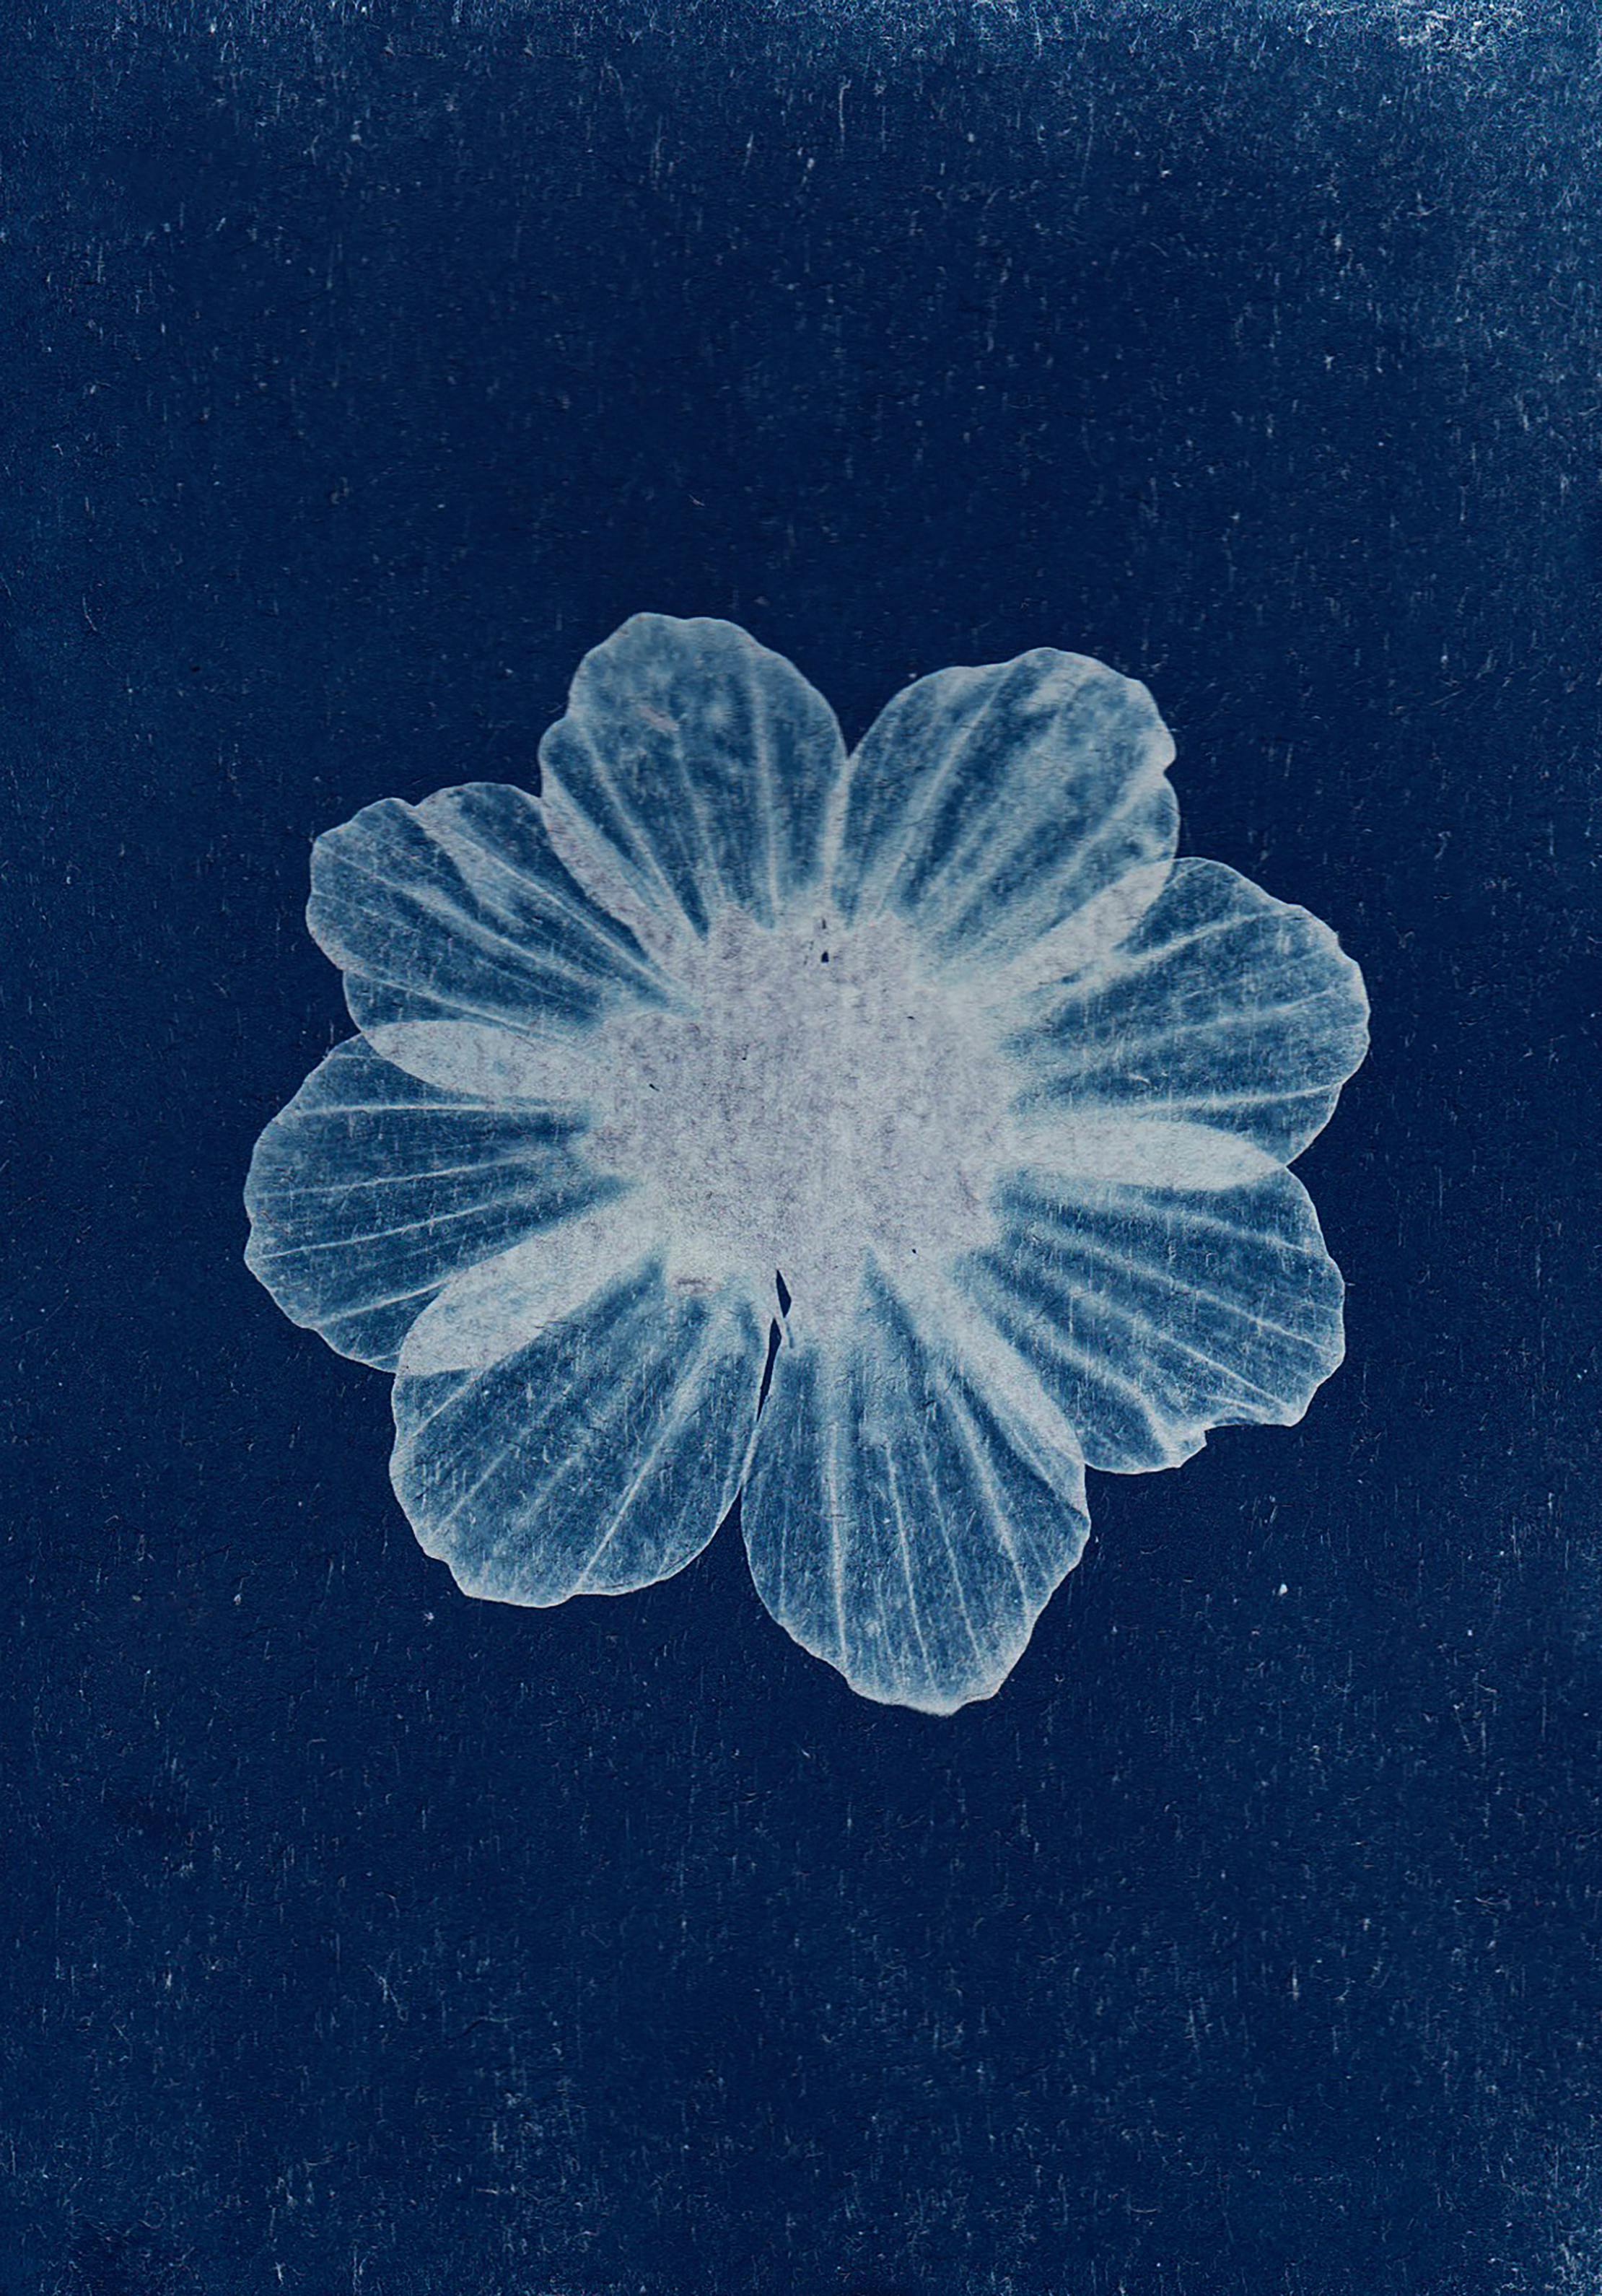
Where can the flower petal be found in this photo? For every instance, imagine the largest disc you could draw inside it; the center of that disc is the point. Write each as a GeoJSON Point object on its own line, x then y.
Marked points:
{"type": "Point", "coordinates": [371, 1189]}
{"type": "Point", "coordinates": [493, 1064]}
{"type": "Point", "coordinates": [913, 1499]}
{"type": "Point", "coordinates": [1147, 1151]}
{"type": "Point", "coordinates": [598, 1455]}
{"type": "Point", "coordinates": [459, 911]}
{"type": "Point", "coordinates": [1224, 1007]}
{"type": "Point", "coordinates": [1153, 1312]}
{"type": "Point", "coordinates": [990, 807]}
{"type": "Point", "coordinates": [498, 1306]}
{"type": "Point", "coordinates": [697, 766]}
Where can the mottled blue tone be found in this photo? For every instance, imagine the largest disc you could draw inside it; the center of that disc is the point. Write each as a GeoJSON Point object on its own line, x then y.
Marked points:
{"type": "Point", "coordinates": [360, 373]}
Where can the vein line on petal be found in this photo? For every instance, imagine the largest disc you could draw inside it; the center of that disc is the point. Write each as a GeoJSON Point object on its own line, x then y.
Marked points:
{"type": "Point", "coordinates": [1133, 1320]}
{"type": "Point", "coordinates": [829, 1415]}
{"type": "Point", "coordinates": [1244, 1021]}
{"type": "Point", "coordinates": [1318, 1251]}
{"type": "Point", "coordinates": [895, 849]}
{"type": "Point", "coordinates": [525, 1430]}
{"type": "Point", "coordinates": [643, 856]}
{"type": "Point", "coordinates": [690, 1379]}
{"type": "Point", "coordinates": [1139, 789]}
{"type": "Point", "coordinates": [1053, 1342]}
{"type": "Point", "coordinates": [288, 1189]}
{"type": "Point", "coordinates": [984, 1483]}
{"type": "Point", "coordinates": [762, 736]}
{"type": "Point", "coordinates": [489, 940]}
{"type": "Point", "coordinates": [914, 1616]}
{"type": "Point", "coordinates": [389, 1300]}
{"type": "Point", "coordinates": [919, 1436]}
{"type": "Point", "coordinates": [400, 1227]}
{"type": "Point", "coordinates": [1079, 1241]}
{"type": "Point", "coordinates": [596, 922]}
{"type": "Point", "coordinates": [1118, 965]}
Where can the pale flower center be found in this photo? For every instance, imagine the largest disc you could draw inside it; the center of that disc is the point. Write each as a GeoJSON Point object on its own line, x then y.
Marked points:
{"type": "Point", "coordinates": [819, 1099]}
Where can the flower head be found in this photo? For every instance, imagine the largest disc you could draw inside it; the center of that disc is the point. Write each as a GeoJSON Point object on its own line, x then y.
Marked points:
{"type": "Point", "coordinates": [932, 1061]}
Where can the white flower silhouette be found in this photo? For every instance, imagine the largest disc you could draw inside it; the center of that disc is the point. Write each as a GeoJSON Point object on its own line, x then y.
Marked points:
{"type": "Point", "coordinates": [933, 1052]}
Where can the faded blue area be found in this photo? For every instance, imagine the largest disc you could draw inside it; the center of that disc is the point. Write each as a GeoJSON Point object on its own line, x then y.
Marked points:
{"type": "Point", "coordinates": [371, 374]}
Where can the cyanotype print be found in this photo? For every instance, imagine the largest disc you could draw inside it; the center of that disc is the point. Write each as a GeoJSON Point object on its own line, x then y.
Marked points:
{"type": "Point", "coordinates": [890, 1136]}
{"type": "Point", "coordinates": [691, 1750]}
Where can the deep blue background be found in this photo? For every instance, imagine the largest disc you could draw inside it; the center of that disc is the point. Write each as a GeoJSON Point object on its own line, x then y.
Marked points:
{"type": "Point", "coordinates": [357, 372]}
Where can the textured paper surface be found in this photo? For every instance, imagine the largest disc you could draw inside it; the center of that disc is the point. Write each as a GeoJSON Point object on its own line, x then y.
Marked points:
{"type": "Point", "coordinates": [363, 370]}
